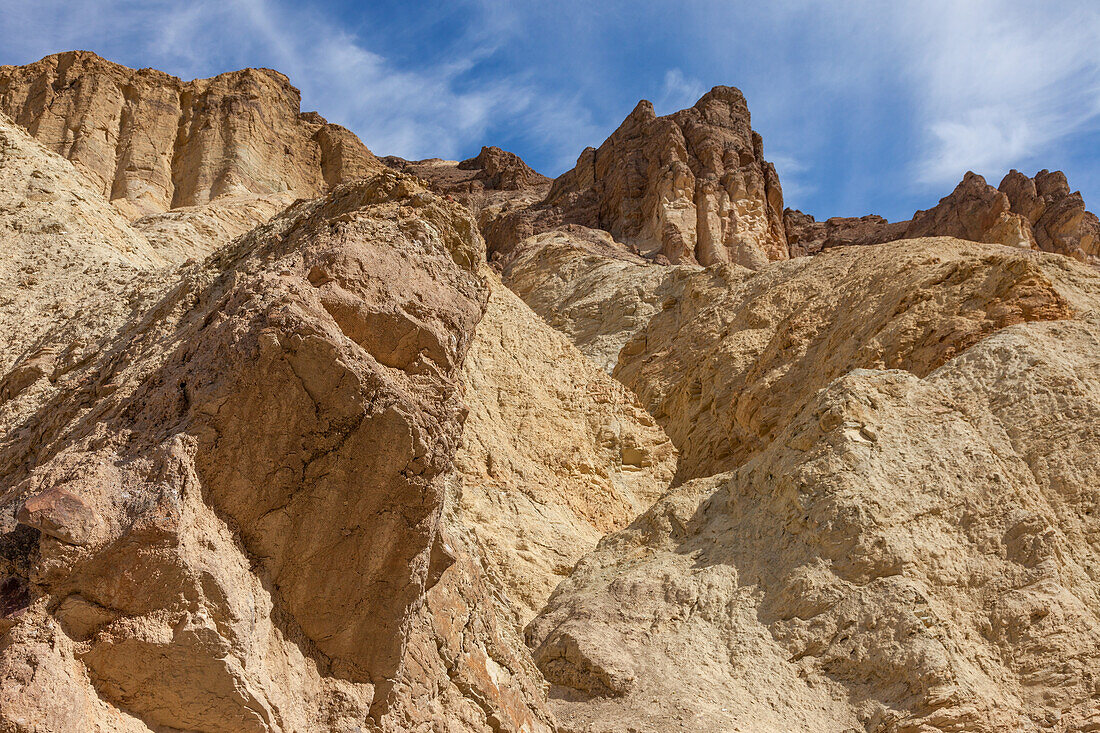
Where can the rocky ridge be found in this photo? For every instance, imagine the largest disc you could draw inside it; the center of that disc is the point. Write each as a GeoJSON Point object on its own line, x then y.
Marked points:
{"type": "Point", "coordinates": [153, 142]}
{"type": "Point", "coordinates": [1035, 213]}
{"type": "Point", "coordinates": [283, 452]}
{"type": "Point", "coordinates": [690, 187]}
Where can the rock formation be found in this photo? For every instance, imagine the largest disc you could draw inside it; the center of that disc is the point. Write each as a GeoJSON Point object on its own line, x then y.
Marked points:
{"type": "Point", "coordinates": [975, 211]}
{"type": "Point", "coordinates": [692, 186]}
{"type": "Point", "coordinates": [805, 236]}
{"type": "Point", "coordinates": [1058, 217]}
{"type": "Point", "coordinates": [589, 288]}
{"type": "Point", "coordinates": [154, 142]}
{"type": "Point", "coordinates": [62, 247]}
{"type": "Point", "coordinates": [294, 441]}
{"type": "Point", "coordinates": [492, 169]}
{"type": "Point", "coordinates": [172, 547]}
{"type": "Point", "coordinates": [801, 591]}
{"type": "Point", "coordinates": [725, 364]}
{"type": "Point", "coordinates": [1034, 213]}
{"type": "Point", "coordinates": [555, 453]}
{"type": "Point", "coordinates": [831, 583]}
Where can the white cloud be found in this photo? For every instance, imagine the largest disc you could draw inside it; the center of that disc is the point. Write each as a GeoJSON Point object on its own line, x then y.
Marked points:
{"type": "Point", "coordinates": [792, 177]}
{"type": "Point", "coordinates": [878, 102]}
{"type": "Point", "coordinates": [412, 110]}
{"type": "Point", "coordinates": [679, 92]}
{"type": "Point", "coordinates": [998, 83]}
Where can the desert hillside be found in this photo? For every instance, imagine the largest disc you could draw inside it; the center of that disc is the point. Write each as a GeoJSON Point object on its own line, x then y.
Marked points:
{"type": "Point", "coordinates": [296, 438]}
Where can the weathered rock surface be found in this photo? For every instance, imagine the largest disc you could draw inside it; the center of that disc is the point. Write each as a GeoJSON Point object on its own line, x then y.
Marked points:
{"type": "Point", "coordinates": [154, 142]}
{"type": "Point", "coordinates": [497, 186]}
{"type": "Point", "coordinates": [232, 518]}
{"type": "Point", "coordinates": [555, 453]}
{"type": "Point", "coordinates": [906, 554]}
{"type": "Point", "coordinates": [492, 169]}
{"type": "Point", "coordinates": [730, 360]}
{"type": "Point", "coordinates": [585, 285]}
{"type": "Point", "coordinates": [1033, 213]}
{"type": "Point", "coordinates": [721, 356]}
{"type": "Point", "coordinates": [805, 236]}
{"type": "Point", "coordinates": [1057, 216]}
{"type": "Point", "coordinates": [63, 248]}
{"type": "Point", "coordinates": [316, 474]}
{"type": "Point", "coordinates": [194, 232]}
{"type": "Point", "coordinates": [975, 211]}
{"type": "Point", "coordinates": [692, 186]}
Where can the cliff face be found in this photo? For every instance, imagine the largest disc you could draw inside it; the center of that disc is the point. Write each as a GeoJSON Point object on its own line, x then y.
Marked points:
{"type": "Point", "coordinates": [692, 186]}
{"type": "Point", "coordinates": [872, 529]}
{"type": "Point", "coordinates": [154, 142]}
{"type": "Point", "coordinates": [316, 445]}
{"type": "Point", "coordinates": [1033, 213]}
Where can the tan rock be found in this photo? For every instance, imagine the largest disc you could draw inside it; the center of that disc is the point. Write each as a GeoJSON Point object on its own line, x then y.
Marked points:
{"type": "Point", "coordinates": [1058, 217]}
{"type": "Point", "coordinates": [492, 169]}
{"type": "Point", "coordinates": [907, 554]}
{"type": "Point", "coordinates": [62, 247]}
{"type": "Point", "coordinates": [1039, 213]}
{"type": "Point", "coordinates": [267, 453]}
{"type": "Point", "coordinates": [1011, 230]}
{"type": "Point", "coordinates": [154, 142]}
{"type": "Point", "coordinates": [805, 236]}
{"type": "Point", "coordinates": [274, 464]}
{"type": "Point", "coordinates": [726, 366]}
{"type": "Point", "coordinates": [693, 186]}
{"type": "Point", "coordinates": [773, 593]}
{"type": "Point", "coordinates": [555, 453]}
{"type": "Point", "coordinates": [587, 286]}
{"type": "Point", "coordinates": [728, 353]}
{"type": "Point", "coordinates": [194, 232]}
{"type": "Point", "coordinates": [968, 212]}
{"type": "Point", "coordinates": [467, 667]}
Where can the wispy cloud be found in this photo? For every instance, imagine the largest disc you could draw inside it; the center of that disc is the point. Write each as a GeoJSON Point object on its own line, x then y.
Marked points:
{"type": "Point", "coordinates": [872, 106]}
{"type": "Point", "coordinates": [679, 91]}
{"type": "Point", "coordinates": [401, 109]}
{"type": "Point", "coordinates": [792, 177]}
{"type": "Point", "coordinates": [998, 83]}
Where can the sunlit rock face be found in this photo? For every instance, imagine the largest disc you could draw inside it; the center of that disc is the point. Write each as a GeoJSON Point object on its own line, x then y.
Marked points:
{"type": "Point", "coordinates": [294, 439]}
{"type": "Point", "coordinates": [692, 186]}
{"type": "Point", "coordinates": [153, 142]}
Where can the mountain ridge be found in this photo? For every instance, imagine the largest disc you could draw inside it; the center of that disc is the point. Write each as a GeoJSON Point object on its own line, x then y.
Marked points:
{"type": "Point", "coordinates": [296, 438]}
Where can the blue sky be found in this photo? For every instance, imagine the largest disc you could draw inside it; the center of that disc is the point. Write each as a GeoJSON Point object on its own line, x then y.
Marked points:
{"type": "Point", "coordinates": [865, 107]}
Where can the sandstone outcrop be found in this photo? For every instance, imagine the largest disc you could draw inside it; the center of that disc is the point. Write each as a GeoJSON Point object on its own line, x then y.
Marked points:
{"type": "Point", "coordinates": [282, 449]}
{"type": "Point", "coordinates": [692, 186]}
{"type": "Point", "coordinates": [194, 232]}
{"type": "Point", "coordinates": [975, 211]}
{"type": "Point", "coordinates": [153, 142]}
{"type": "Point", "coordinates": [232, 519]}
{"type": "Point", "coordinates": [905, 550]}
{"type": "Point", "coordinates": [63, 248]}
{"type": "Point", "coordinates": [1057, 216]}
{"type": "Point", "coordinates": [492, 169]}
{"type": "Point", "coordinates": [1033, 213]}
{"type": "Point", "coordinates": [720, 355]}
{"type": "Point", "coordinates": [584, 284]}
{"type": "Point", "coordinates": [832, 583]}
{"type": "Point", "coordinates": [729, 361]}
{"type": "Point", "coordinates": [555, 453]}
{"type": "Point", "coordinates": [497, 186]}
{"type": "Point", "coordinates": [805, 236]}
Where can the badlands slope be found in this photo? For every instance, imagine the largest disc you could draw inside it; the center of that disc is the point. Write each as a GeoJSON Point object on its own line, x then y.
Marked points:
{"type": "Point", "coordinates": [295, 438]}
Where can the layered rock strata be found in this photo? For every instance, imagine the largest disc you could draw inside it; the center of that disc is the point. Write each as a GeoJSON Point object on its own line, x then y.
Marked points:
{"type": "Point", "coordinates": [153, 142]}
{"type": "Point", "coordinates": [692, 186]}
